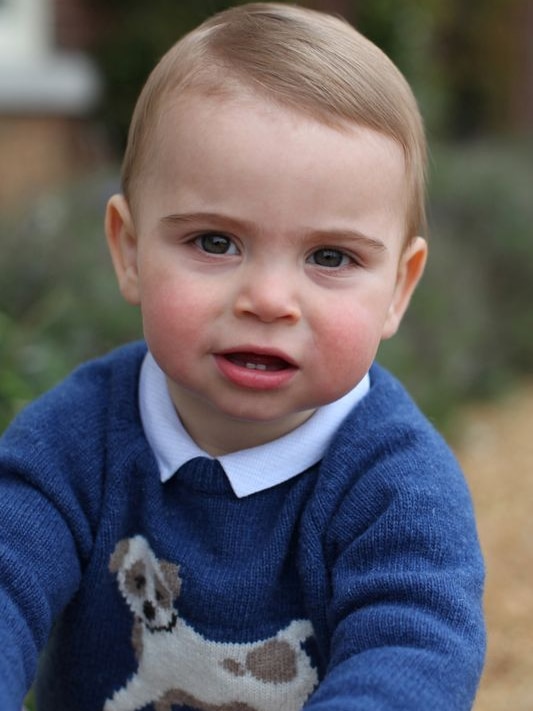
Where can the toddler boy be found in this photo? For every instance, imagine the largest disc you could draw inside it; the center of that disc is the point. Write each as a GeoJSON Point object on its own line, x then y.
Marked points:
{"type": "Point", "coordinates": [247, 513]}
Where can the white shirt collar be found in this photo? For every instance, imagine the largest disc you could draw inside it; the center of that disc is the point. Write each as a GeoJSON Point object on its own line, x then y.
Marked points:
{"type": "Point", "coordinates": [248, 470]}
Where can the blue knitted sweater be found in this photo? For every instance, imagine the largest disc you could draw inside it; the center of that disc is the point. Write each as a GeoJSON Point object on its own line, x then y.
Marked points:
{"type": "Point", "coordinates": [355, 586]}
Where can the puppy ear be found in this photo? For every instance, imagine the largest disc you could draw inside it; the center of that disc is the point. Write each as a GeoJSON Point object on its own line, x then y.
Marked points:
{"type": "Point", "coordinates": [171, 575]}
{"type": "Point", "coordinates": [118, 555]}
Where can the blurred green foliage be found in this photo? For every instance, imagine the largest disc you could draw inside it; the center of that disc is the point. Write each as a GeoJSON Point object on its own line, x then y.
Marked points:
{"type": "Point", "coordinates": [468, 332]}
{"type": "Point", "coordinates": [460, 57]}
{"type": "Point", "coordinates": [58, 299]}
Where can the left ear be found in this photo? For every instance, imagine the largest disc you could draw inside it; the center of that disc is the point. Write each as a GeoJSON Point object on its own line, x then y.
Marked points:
{"type": "Point", "coordinates": [410, 269]}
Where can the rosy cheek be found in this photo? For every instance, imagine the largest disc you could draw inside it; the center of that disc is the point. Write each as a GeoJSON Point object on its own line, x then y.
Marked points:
{"type": "Point", "coordinates": [347, 348]}
{"type": "Point", "coordinates": [343, 330]}
{"type": "Point", "coordinates": [159, 316]}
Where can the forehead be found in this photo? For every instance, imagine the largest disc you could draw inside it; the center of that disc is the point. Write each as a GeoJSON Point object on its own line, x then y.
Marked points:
{"type": "Point", "coordinates": [239, 150]}
{"type": "Point", "coordinates": [230, 118]}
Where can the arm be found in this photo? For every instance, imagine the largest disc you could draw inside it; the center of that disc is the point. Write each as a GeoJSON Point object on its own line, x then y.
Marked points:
{"type": "Point", "coordinates": [44, 534]}
{"type": "Point", "coordinates": [404, 613]}
{"type": "Point", "coordinates": [39, 569]}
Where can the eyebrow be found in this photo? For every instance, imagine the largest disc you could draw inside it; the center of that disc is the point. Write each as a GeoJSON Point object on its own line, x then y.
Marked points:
{"type": "Point", "coordinates": [372, 243]}
{"type": "Point", "coordinates": [211, 217]}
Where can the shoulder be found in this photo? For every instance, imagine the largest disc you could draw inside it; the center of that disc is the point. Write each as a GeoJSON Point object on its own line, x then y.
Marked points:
{"type": "Point", "coordinates": [77, 410]}
{"type": "Point", "coordinates": [387, 454]}
{"type": "Point", "coordinates": [390, 481]}
{"type": "Point", "coordinates": [389, 423]}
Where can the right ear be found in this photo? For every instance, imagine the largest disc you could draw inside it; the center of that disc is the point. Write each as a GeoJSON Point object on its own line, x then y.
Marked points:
{"type": "Point", "coordinates": [122, 241]}
{"type": "Point", "coordinates": [118, 555]}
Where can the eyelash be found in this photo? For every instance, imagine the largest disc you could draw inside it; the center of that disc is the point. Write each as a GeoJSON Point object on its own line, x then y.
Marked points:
{"type": "Point", "coordinates": [227, 243]}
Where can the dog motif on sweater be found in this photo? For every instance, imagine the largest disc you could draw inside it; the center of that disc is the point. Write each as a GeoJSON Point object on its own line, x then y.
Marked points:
{"type": "Point", "coordinates": [178, 666]}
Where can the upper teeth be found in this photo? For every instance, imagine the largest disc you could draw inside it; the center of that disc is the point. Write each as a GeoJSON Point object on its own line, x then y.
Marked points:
{"type": "Point", "coordinates": [256, 366]}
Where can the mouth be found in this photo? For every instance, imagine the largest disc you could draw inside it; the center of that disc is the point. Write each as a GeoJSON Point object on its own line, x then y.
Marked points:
{"type": "Point", "coordinates": [163, 628]}
{"type": "Point", "coordinates": [258, 370]}
{"type": "Point", "coordinates": [258, 361]}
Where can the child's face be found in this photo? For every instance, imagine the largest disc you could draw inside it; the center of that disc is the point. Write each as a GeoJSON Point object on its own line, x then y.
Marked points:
{"type": "Point", "coordinates": [266, 250]}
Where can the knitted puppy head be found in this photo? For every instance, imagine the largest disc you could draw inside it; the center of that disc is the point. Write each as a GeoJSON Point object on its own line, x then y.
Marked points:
{"type": "Point", "coordinates": [148, 585]}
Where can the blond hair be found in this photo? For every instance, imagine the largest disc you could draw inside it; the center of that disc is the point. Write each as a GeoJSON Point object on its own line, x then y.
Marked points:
{"type": "Point", "coordinates": [303, 59]}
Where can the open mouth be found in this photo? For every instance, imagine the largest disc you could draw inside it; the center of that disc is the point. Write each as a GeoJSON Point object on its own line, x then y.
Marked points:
{"type": "Point", "coordinates": [256, 371]}
{"type": "Point", "coordinates": [163, 628]}
{"type": "Point", "coordinates": [256, 361]}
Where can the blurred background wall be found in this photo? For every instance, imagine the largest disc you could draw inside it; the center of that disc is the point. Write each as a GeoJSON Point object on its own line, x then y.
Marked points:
{"type": "Point", "coordinates": [48, 87]}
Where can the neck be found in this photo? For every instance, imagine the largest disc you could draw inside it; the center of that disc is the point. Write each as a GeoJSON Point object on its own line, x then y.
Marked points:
{"type": "Point", "coordinates": [218, 434]}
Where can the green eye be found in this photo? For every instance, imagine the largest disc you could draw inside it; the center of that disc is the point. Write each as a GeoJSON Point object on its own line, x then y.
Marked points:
{"type": "Point", "coordinates": [330, 258]}
{"type": "Point", "coordinates": [215, 244]}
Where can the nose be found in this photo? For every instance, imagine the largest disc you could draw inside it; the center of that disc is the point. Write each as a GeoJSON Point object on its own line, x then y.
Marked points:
{"type": "Point", "coordinates": [149, 610]}
{"type": "Point", "coordinates": [268, 294]}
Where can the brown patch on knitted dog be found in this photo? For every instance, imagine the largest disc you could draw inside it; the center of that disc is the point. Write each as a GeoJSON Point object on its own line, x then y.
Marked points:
{"type": "Point", "coordinates": [135, 578]}
{"type": "Point", "coordinates": [172, 581]}
{"type": "Point", "coordinates": [118, 555]}
{"type": "Point", "coordinates": [233, 667]}
{"type": "Point", "coordinates": [274, 661]}
{"type": "Point", "coordinates": [177, 697]}
{"type": "Point", "coordinates": [137, 639]}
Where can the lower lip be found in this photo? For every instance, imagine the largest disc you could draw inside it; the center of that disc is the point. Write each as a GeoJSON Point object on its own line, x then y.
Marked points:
{"type": "Point", "coordinates": [254, 379]}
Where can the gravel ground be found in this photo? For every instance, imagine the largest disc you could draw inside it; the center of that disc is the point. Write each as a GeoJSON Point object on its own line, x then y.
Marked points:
{"type": "Point", "coordinates": [495, 447]}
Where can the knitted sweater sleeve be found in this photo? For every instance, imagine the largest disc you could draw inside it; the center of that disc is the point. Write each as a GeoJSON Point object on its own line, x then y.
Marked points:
{"type": "Point", "coordinates": [404, 614]}
{"type": "Point", "coordinates": [48, 501]}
